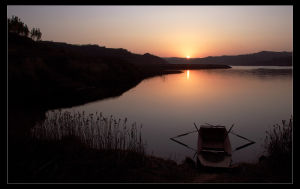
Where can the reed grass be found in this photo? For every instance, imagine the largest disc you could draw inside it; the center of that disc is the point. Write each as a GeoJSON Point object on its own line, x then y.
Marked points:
{"type": "Point", "coordinates": [278, 141]}
{"type": "Point", "coordinates": [278, 144]}
{"type": "Point", "coordinates": [94, 130]}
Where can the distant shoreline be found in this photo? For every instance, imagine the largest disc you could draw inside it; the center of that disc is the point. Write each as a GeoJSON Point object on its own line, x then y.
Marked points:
{"type": "Point", "coordinates": [263, 58]}
{"type": "Point", "coordinates": [193, 66]}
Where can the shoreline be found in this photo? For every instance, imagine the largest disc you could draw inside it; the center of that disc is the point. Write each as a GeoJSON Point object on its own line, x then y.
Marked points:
{"type": "Point", "coordinates": [44, 77]}
{"type": "Point", "coordinates": [78, 96]}
{"type": "Point", "coordinates": [70, 161]}
{"type": "Point", "coordinates": [158, 170]}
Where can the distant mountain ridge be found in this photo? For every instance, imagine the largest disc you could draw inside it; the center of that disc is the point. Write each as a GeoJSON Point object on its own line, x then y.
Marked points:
{"type": "Point", "coordinates": [88, 50]}
{"type": "Point", "coordinates": [263, 58]}
{"type": "Point", "coordinates": [100, 51]}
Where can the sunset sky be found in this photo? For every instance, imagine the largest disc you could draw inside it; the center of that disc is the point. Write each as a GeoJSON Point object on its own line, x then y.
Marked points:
{"type": "Point", "coordinates": [166, 31]}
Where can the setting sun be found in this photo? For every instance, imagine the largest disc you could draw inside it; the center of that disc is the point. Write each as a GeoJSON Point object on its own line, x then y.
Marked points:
{"type": "Point", "coordinates": [187, 57]}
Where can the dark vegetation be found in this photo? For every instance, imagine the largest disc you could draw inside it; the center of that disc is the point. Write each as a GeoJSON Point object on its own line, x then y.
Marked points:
{"type": "Point", "coordinates": [71, 161]}
{"type": "Point", "coordinates": [15, 25]}
{"type": "Point", "coordinates": [76, 147]}
{"type": "Point", "coordinates": [263, 58]}
{"type": "Point", "coordinates": [62, 149]}
{"type": "Point", "coordinates": [279, 146]}
{"type": "Point", "coordinates": [94, 130]}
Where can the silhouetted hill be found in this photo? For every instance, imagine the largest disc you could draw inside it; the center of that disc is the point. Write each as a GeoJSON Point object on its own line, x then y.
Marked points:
{"type": "Point", "coordinates": [52, 73]}
{"type": "Point", "coordinates": [94, 51]}
{"type": "Point", "coordinates": [263, 58]}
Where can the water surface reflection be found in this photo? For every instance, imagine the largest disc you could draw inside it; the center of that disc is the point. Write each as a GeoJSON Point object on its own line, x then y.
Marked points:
{"type": "Point", "coordinates": [252, 98]}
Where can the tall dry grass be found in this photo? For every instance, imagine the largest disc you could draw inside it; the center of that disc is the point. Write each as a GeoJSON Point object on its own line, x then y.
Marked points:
{"type": "Point", "coordinates": [279, 145]}
{"type": "Point", "coordinates": [94, 130]}
{"type": "Point", "coordinates": [278, 141]}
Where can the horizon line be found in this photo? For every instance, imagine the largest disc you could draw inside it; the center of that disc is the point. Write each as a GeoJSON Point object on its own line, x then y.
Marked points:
{"type": "Point", "coordinates": [103, 46]}
{"type": "Point", "coordinates": [229, 54]}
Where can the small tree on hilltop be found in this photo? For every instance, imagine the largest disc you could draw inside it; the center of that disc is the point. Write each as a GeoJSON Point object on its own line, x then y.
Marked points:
{"type": "Point", "coordinates": [35, 33]}
{"type": "Point", "coordinates": [26, 31]}
{"type": "Point", "coordinates": [32, 33]}
{"type": "Point", "coordinates": [15, 25]}
{"type": "Point", "coordinates": [38, 34]}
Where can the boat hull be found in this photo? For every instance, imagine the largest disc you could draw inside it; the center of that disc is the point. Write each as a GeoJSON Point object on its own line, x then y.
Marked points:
{"type": "Point", "coordinates": [214, 148]}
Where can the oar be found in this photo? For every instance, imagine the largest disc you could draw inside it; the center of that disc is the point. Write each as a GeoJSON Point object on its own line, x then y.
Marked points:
{"type": "Point", "coordinates": [242, 137]}
{"type": "Point", "coordinates": [184, 134]}
{"type": "Point", "coordinates": [195, 154]}
{"type": "Point", "coordinates": [243, 146]}
{"type": "Point", "coordinates": [229, 131]}
{"type": "Point", "coordinates": [196, 127]}
{"type": "Point", "coordinates": [183, 144]}
{"type": "Point", "coordinates": [179, 142]}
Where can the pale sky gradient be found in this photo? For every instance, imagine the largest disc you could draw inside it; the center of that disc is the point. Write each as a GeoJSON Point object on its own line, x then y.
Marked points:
{"type": "Point", "coordinates": [166, 31]}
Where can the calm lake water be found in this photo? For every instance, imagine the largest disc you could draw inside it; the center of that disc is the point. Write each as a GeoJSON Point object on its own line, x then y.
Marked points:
{"type": "Point", "coordinates": [251, 98]}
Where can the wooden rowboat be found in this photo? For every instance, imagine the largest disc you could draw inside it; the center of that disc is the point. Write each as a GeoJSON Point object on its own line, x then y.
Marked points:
{"type": "Point", "coordinates": [214, 148]}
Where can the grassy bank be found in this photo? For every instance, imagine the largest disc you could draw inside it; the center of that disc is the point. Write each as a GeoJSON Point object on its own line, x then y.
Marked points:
{"type": "Point", "coordinates": [88, 148]}
{"type": "Point", "coordinates": [83, 148]}
{"type": "Point", "coordinates": [69, 160]}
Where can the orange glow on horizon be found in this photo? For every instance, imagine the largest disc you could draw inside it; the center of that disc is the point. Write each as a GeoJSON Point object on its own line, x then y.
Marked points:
{"type": "Point", "coordinates": [180, 31]}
